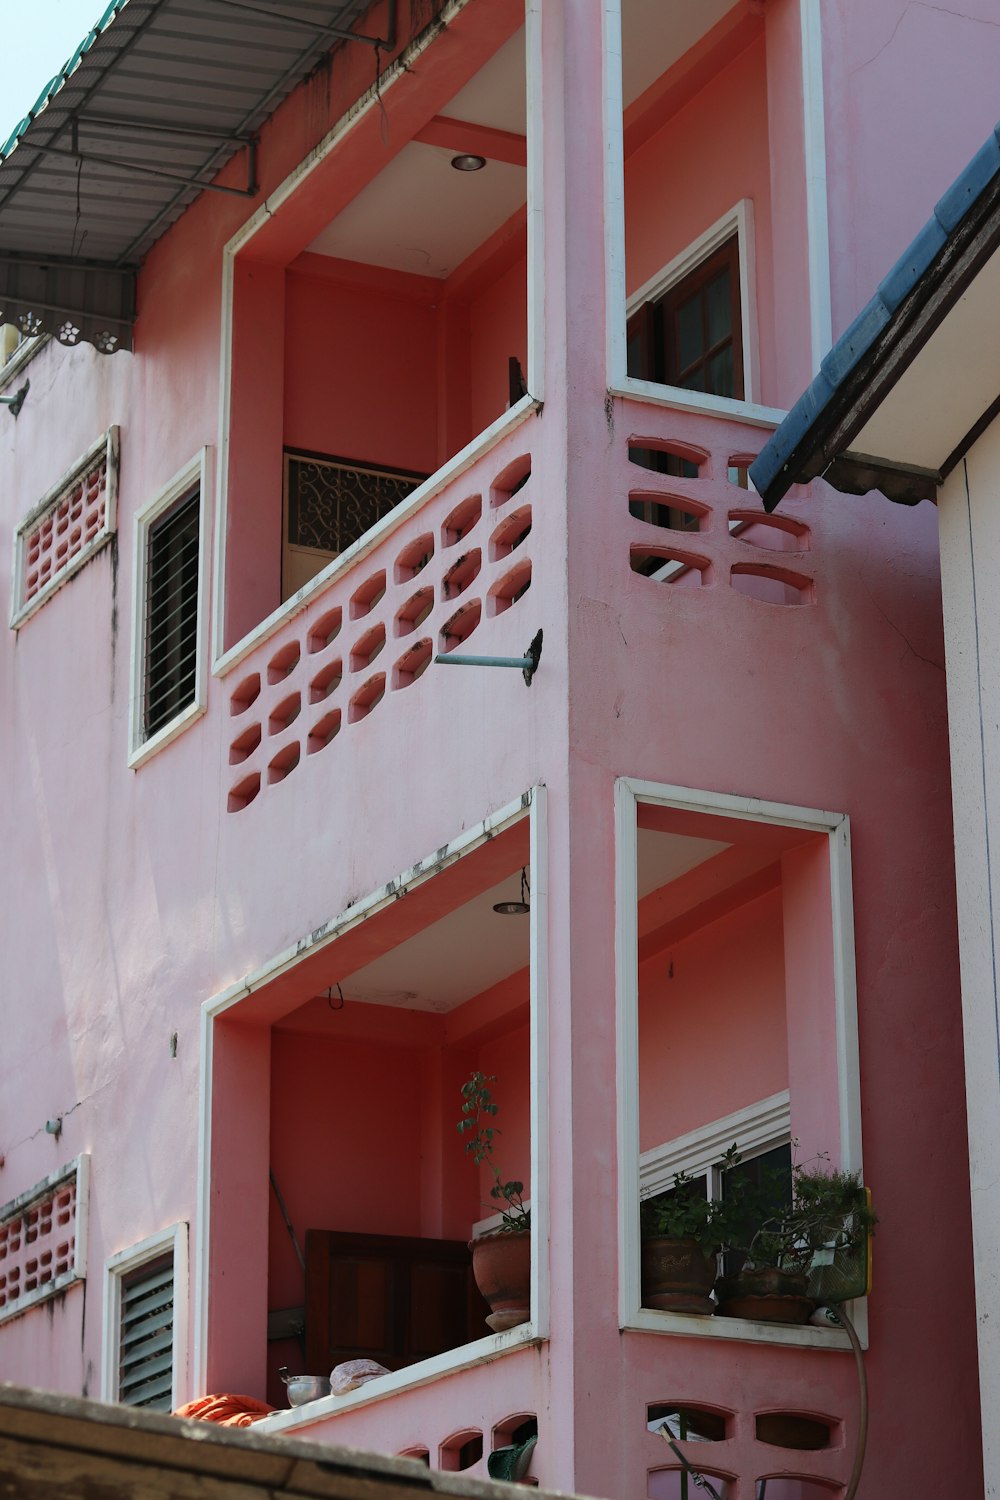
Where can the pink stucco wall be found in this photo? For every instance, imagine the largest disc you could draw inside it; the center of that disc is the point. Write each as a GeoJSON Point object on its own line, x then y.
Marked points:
{"type": "Point", "coordinates": [712, 1019]}
{"type": "Point", "coordinates": [134, 896]}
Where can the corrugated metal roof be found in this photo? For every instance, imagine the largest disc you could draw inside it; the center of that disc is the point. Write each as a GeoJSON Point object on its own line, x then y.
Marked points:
{"type": "Point", "coordinates": [172, 87]}
{"type": "Point", "coordinates": [868, 358]}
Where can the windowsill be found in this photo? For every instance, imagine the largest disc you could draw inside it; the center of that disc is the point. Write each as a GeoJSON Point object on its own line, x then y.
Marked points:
{"type": "Point", "coordinates": [697, 401]}
{"type": "Point", "coordinates": [442, 477]}
{"type": "Point", "coordinates": [744, 1330]}
{"type": "Point", "coordinates": [165, 736]}
{"type": "Point", "coordinates": [428, 1370]}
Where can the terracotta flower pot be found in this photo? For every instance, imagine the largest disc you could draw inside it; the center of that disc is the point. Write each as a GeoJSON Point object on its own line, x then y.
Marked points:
{"type": "Point", "coordinates": [677, 1275]}
{"type": "Point", "coordinates": [765, 1294]}
{"type": "Point", "coordinates": [501, 1264]}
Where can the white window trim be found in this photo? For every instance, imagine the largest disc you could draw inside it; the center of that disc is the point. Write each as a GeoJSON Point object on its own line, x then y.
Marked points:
{"type": "Point", "coordinates": [173, 1239]}
{"type": "Point", "coordinates": [108, 444]}
{"type": "Point", "coordinates": [223, 659]}
{"type": "Point", "coordinates": [196, 472]}
{"type": "Point", "coordinates": [629, 792]}
{"type": "Point", "coordinates": [80, 1168]}
{"type": "Point", "coordinates": [738, 222]}
{"type": "Point", "coordinates": [481, 1351]}
{"type": "Point", "coordinates": [754, 1129]}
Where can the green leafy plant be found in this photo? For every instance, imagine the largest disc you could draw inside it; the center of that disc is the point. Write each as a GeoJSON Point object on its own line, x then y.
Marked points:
{"type": "Point", "coordinates": [684, 1212]}
{"type": "Point", "coordinates": [478, 1109]}
{"type": "Point", "coordinates": [829, 1212]}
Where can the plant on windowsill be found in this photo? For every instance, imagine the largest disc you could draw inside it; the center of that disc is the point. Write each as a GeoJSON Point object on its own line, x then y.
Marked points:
{"type": "Point", "coordinates": [501, 1259]}
{"type": "Point", "coordinates": [682, 1231]}
{"type": "Point", "coordinates": [797, 1258]}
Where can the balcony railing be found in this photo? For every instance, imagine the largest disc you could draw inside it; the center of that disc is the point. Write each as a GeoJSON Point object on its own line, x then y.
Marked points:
{"type": "Point", "coordinates": [456, 562]}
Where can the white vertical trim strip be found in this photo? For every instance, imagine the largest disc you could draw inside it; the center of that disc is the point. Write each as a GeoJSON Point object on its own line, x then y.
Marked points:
{"type": "Point", "coordinates": [539, 1092]}
{"type": "Point", "coordinates": [846, 990]}
{"type": "Point", "coordinates": [817, 208]}
{"type": "Point", "coordinates": [535, 374]}
{"type": "Point", "coordinates": [614, 197]}
{"type": "Point", "coordinates": [627, 1031]}
{"type": "Point", "coordinates": [203, 1223]}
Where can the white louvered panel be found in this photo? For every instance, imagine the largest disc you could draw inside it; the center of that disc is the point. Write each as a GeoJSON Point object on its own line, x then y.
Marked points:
{"type": "Point", "coordinates": [147, 1337]}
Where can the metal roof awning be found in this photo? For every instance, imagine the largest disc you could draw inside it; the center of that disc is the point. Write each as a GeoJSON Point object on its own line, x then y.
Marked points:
{"type": "Point", "coordinates": [907, 389]}
{"type": "Point", "coordinates": [155, 100]}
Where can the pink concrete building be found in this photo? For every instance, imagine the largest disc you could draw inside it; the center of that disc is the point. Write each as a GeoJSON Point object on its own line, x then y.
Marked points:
{"type": "Point", "coordinates": [355, 354]}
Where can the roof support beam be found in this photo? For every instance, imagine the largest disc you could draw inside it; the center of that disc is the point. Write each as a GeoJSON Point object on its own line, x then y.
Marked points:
{"type": "Point", "coordinates": [122, 122]}
{"type": "Point", "coordinates": [338, 33]}
{"type": "Point", "coordinates": [130, 166]}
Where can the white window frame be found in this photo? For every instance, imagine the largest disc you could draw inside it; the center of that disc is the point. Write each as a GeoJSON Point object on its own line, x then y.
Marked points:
{"type": "Point", "coordinates": [172, 1240]}
{"type": "Point", "coordinates": [225, 660]}
{"type": "Point", "coordinates": [194, 473]}
{"type": "Point", "coordinates": [80, 1168]}
{"type": "Point", "coordinates": [107, 444]}
{"type": "Point", "coordinates": [629, 792]}
{"type": "Point", "coordinates": [755, 1129]}
{"type": "Point", "coordinates": [736, 223]}
{"type": "Point", "coordinates": [479, 1351]}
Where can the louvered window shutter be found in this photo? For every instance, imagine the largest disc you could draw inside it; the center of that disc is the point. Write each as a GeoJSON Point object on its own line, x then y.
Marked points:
{"type": "Point", "coordinates": [171, 625]}
{"type": "Point", "coordinates": [146, 1341]}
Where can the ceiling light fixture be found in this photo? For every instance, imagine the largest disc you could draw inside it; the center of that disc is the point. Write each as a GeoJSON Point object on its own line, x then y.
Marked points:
{"type": "Point", "coordinates": [468, 163]}
{"type": "Point", "coordinates": [516, 908]}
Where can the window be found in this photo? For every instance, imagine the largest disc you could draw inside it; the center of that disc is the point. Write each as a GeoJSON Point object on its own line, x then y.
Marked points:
{"type": "Point", "coordinates": [43, 1239]}
{"type": "Point", "coordinates": [144, 1320]}
{"type": "Point", "coordinates": [168, 690]}
{"type": "Point", "coordinates": [329, 504]}
{"type": "Point", "coordinates": [691, 335]}
{"type": "Point", "coordinates": [67, 526]}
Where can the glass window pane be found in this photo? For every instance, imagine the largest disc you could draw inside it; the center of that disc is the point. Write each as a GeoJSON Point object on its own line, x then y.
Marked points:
{"type": "Point", "coordinates": [720, 308]}
{"type": "Point", "coordinates": [720, 372]}
{"type": "Point", "coordinates": [690, 343]}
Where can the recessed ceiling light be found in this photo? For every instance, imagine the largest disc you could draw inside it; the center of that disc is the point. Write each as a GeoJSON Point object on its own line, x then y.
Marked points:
{"type": "Point", "coordinates": [468, 163]}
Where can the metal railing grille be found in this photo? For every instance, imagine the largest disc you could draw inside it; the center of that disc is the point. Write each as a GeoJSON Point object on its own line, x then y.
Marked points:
{"type": "Point", "coordinates": [146, 1340]}
{"type": "Point", "coordinates": [171, 614]}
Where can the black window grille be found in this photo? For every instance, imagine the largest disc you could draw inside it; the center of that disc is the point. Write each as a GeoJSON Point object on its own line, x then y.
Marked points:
{"type": "Point", "coordinates": [146, 1337]}
{"type": "Point", "coordinates": [171, 614]}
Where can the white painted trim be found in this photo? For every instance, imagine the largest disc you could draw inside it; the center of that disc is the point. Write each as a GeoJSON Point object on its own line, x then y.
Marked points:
{"type": "Point", "coordinates": [535, 374]}
{"type": "Point", "coordinates": [743, 1330]}
{"type": "Point", "coordinates": [466, 1357]}
{"type": "Point", "coordinates": [110, 445]}
{"type": "Point", "coordinates": [817, 206]}
{"type": "Point", "coordinates": [224, 660]}
{"type": "Point", "coordinates": [194, 473]}
{"type": "Point", "coordinates": [699, 401]}
{"type": "Point", "coordinates": [538, 855]}
{"type": "Point", "coordinates": [175, 1240]}
{"type": "Point", "coordinates": [372, 538]}
{"type": "Point", "coordinates": [737, 221]}
{"type": "Point", "coordinates": [22, 356]}
{"type": "Point", "coordinates": [530, 803]}
{"type": "Point", "coordinates": [754, 1129]}
{"type": "Point", "coordinates": [616, 351]}
{"type": "Point", "coordinates": [79, 1168]}
{"type": "Point", "coordinates": [628, 793]}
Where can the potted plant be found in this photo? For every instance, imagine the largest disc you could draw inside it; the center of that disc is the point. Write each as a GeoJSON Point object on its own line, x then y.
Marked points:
{"type": "Point", "coordinates": [783, 1271]}
{"type": "Point", "coordinates": [682, 1232]}
{"type": "Point", "coordinates": [501, 1258]}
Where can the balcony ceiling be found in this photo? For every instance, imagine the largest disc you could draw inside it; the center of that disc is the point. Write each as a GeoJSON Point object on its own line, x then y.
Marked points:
{"type": "Point", "coordinates": [473, 947]}
{"type": "Point", "coordinates": [173, 86]}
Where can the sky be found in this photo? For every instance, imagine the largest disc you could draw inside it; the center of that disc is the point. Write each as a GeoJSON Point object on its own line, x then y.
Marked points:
{"type": "Point", "coordinates": [38, 37]}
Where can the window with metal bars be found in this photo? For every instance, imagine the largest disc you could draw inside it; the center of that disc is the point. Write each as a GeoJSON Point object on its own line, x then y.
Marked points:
{"type": "Point", "coordinates": [171, 620]}
{"type": "Point", "coordinates": [146, 1335]}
